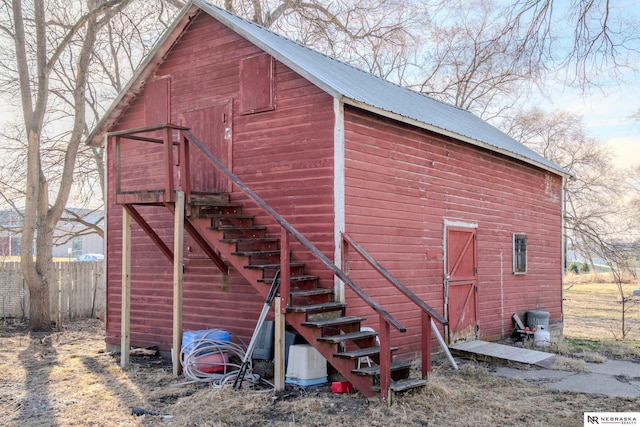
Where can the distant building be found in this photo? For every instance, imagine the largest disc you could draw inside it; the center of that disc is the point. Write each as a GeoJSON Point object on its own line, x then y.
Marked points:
{"type": "Point", "coordinates": [74, 235]}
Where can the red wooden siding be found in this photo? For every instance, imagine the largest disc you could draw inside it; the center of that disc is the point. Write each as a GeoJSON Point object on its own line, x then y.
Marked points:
{"type": "Point", "coordinates": [285, 155]}
{"type": "Point", "coordinates": [403, 183]}
{"type": "Point", "coordinates": [156, 103]}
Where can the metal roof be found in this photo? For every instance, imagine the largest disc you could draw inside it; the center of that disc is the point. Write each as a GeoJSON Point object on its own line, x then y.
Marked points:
{"type": "Point", "coordinates": [344, 82]}
{"type": "Point", "coordinates": [362, 89]}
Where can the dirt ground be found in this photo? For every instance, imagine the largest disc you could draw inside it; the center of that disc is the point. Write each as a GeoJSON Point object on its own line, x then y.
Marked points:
{"type": "Point", "coordinates": [66, 379]}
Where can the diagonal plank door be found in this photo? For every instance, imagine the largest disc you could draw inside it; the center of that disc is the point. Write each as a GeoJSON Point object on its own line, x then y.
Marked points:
{"type": "Point", "coordinates": [461, 284]}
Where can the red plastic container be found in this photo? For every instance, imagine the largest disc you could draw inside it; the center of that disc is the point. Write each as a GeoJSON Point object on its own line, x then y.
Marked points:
{"type": "Point", "coordinates": [342, 387]}
{"type": "Point", "coordinates": [213, 362]}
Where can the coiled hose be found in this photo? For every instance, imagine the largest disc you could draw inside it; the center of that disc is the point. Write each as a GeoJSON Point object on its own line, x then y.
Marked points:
{"type": "Point", "coordinates": [195, 368]}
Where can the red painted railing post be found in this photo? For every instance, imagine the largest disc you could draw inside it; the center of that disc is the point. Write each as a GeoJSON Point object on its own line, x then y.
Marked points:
{"type": "Point", "coordinates": [118, 163]}
{"type": "Point", "coordinates": [385, 359]}
{"type": "Point", "coordinates": [345, 255]}
{"type": "Point", "coordinates": [168, 168]}
{"type": "Point", "coordinates": [426, 344]}
{"type": "Point", "coordinates": [185, 168]}
{"type": "Point", "coordinates": [285, 270]}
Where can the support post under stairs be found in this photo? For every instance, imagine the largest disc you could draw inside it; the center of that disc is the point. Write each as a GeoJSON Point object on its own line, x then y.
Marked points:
{"type": "Point", "coordinates": [125, 337]}
{"type": "Point", "coordinates": [178, 269]}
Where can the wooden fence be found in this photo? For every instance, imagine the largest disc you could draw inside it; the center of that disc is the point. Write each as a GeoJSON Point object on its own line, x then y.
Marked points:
{"type": "Point", "coordinates": [77, 290]}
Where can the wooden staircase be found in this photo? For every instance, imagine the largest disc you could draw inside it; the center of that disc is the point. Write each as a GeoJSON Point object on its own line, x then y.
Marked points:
{"type": "Point", "coordinates": [230, 237]}
{"type": "Point", "coordinates": [312, 310]}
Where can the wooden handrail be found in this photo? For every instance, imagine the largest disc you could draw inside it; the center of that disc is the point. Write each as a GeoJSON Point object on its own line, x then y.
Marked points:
{"type": "Point", "coordinates": [295, 233]}
{"type": "Point", "coordinates": [167, 142]}
{"type": "Point", "coordinates": [184, 140]}
{"type": "Point", "coordinates": [428, 313]}
{"type": "Point", "coordinates": [395, 282]}
{"type": "Point", "coordinates": [146, 129]}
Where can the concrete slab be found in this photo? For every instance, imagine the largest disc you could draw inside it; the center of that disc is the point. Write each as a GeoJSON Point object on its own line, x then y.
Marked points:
{"type": "Point", "coordinates": [606, 385]}
{"type": "Point", "coordinates": [537, 375]}
{"type": "Point", "coordinates": [613, 378]}
{"type": "Point", "coordinates": [616, 378]}
{"type": "Point", "coordinates": [616, 367]}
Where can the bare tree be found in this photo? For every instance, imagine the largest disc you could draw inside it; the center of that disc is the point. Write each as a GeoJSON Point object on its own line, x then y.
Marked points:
{"type": "Point", "coordinates": [595, 197]}
{"type": "Point", "coordinates": [48, 61]}
{"type": "Point", "coordinates": [480, 55]}
{"type": "Point", "coordinates": [41, 36]}
{"type": "Point", "coordinates": [471, 62]}
{"type": "Point", "coordinates": [634, 202]}
{"type": "Point", "coordinates": [379, 36]}
{"type": "Point", "coordinates": [124, 40]}
{"type": "Point", "coordinates": [617, 254]}
{"type": "Point", "coordinates": [599, 214]}
{"type": "Point", "coordinates": [604, 37]}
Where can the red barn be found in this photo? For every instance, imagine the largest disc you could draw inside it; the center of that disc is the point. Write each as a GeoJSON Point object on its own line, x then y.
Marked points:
{"type": "Point", "coordinates": [379, 205]}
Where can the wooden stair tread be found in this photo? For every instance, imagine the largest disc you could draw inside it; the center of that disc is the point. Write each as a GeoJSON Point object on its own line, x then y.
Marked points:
{"type": "Point", "coordinates": [257, 252]}
{"type": "Point", "coordinates": [293, 279]}
{"type": "Point", "coordinates": [271, 266]}
{"type": "Point", "coordinates": [213, 204]}
{"type": "Point", "coordinates": [317, 308]}
{"type": "Point", "coordinates": [351, 336]}
{"type": "Point", "coordinates": [323, 323]}
{"type": "Point", "coordinates": [310, 292]}
{"type": "Point", "coordinates": [237, 230]}
{"type": "Point", "coordinates": [202, 199]}
{"type": "Point", "coordinates": [375, 370]}
{"type": "Point", "coordinates": [225, 216]}
{"type": "Point", "coordinates": [403, 385]}
{"type": "Point", "coordinates": [361, 352]}
{"type": "Point", "coordinates": [251, 240]}
{"type": "Point", "coordinates": [237, 227]}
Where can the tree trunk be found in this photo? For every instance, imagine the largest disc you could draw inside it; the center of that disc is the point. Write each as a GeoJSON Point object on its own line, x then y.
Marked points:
{"type": "Point", "coordinates": [35, 276]}
{"type": "Point", "coordinates": [39, 307]}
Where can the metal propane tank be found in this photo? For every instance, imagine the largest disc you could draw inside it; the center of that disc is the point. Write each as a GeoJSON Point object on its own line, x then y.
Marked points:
{"type": "Point", "coordinates": [541, 337]}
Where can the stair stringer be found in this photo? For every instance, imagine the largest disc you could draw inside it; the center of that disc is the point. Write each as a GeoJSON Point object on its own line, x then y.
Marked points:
{"type": "Point", "coordinates": [343, 366]}
{"type": "Point", "coordinates": [225, 250]}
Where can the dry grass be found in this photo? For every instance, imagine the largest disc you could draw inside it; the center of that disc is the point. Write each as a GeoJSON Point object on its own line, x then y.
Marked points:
{"type": "Point", "coordinates": [592, 320]}
{"type": "Point", "coordinates": [570, 364]}
{"type": "Point", "coordinates": [65, 380]}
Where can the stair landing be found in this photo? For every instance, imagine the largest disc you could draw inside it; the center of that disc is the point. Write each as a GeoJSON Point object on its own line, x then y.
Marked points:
{"type": "Point", "coordinates": [490, 351]}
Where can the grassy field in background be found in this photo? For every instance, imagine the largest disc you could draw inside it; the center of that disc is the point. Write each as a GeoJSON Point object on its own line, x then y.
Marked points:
{"type": "Point", "coordinates": [593, 310]}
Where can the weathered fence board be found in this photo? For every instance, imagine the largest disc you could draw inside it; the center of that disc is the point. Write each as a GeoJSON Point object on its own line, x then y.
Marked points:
{"type": "Point", "coordinates": [77, 290]}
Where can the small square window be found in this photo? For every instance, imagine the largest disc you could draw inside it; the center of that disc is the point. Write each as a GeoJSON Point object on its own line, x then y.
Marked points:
{"type": "Point", "coordinates": [519, 253]}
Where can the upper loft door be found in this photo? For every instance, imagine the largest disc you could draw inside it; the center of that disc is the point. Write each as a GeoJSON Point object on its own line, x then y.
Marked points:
{"type": "Point", "coordinates": [212, 126]}
{"type": "Point", "coordinates": [157, 101]}
{"type": "Point", "coordinates": [461, 283]}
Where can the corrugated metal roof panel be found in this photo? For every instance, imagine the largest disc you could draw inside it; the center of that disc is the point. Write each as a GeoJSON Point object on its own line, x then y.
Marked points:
{"type": "Point", "coordinates": [345, 81]}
